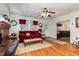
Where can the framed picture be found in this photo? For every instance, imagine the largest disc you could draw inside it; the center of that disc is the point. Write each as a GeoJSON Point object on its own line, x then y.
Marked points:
{"type": "Point", "coordinates": [77, 22]}
{"type": "Point", "coordinates": [59, 24]}
{"type": "Point", "coordinates": [35, 22]}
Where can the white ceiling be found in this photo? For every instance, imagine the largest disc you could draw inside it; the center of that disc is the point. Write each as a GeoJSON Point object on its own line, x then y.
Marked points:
{"type": "Point", "coordinates": [35, 9]}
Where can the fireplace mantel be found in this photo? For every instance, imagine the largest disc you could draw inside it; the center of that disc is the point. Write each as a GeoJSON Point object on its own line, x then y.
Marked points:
{"type": "Point", "coordinates": [4, 28]}
{"type": "Point", "coordinates": [4, 25]}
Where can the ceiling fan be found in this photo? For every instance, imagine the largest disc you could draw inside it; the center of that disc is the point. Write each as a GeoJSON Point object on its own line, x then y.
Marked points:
{"type": "Point", "coordinates": [47, 12]}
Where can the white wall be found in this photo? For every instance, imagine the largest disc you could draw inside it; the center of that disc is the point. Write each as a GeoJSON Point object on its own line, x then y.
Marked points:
{"type": "Point", "coordinates": [74, 32]}
{"type": "Point", "coordinates": [51, 30]}
{"type": "Point", "coordinates": [49, 24]}
{"type": "Point", "coordinates": [17, 28]}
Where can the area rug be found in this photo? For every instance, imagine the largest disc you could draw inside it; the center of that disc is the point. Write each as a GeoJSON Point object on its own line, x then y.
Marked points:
{"type": "Point", "coordinates": [31, 47]}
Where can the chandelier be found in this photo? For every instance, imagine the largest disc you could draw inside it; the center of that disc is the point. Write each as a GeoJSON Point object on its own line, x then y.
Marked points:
{"type": "Point", "coordinates": [47, 13]}
{"type": "Point", "coordinates": [44, 14]}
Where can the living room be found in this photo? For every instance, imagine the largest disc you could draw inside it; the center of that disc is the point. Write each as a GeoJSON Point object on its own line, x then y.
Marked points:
{"type": "Point", "coordinates": [29, 28]}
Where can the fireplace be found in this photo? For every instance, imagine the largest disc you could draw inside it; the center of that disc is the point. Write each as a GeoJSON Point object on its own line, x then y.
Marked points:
{"type": "Point", "coordinates": [4, 28]}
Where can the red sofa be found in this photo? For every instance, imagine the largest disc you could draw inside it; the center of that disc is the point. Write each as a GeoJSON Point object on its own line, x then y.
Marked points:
{"type": "Point", "coordinates": [24, 35]}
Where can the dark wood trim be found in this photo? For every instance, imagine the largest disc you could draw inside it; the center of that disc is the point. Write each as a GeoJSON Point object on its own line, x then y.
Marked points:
{"type": "Point", "coordinates": [77, 20]}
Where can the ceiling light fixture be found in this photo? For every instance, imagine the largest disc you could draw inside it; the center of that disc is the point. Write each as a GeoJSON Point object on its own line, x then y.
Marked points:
{"type": "Point", "coordinates": [46, 12]}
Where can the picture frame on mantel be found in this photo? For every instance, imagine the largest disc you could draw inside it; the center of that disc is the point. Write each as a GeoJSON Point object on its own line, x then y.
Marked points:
{"type": "Point", "coordinates": [77, 22]}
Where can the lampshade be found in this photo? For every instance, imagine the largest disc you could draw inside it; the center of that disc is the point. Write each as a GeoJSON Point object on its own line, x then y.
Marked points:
{"type": "Point", "coordinates": [46, 14]}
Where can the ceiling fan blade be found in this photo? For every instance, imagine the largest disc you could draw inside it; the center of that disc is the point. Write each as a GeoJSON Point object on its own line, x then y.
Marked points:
{"type": "Point", "coordinates": [51, 12]}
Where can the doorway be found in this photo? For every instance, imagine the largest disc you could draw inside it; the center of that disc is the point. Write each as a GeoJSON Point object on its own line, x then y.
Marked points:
{"type": "Point", "coordinates": [63, 30]}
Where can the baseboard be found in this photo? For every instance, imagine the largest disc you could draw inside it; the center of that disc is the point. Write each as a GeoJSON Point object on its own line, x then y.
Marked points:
{"type": "Point", "coordinates": [50, 37]}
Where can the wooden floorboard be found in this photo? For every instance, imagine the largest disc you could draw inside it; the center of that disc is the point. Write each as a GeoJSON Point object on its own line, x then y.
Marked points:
{"type": "Point", "coordinates": [54, 50]}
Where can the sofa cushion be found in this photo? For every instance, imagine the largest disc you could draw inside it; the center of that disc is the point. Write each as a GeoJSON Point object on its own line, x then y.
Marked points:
{"type": "Point", "coordinates": [23, 35]}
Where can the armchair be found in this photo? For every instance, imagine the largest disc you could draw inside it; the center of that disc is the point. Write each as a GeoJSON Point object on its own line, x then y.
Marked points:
{"type": "Point", "coordinates": [13, 36]}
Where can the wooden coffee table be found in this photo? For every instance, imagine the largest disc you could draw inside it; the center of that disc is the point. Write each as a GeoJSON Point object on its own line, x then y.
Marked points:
{"type": "Point", "coordinates": [32, 40]}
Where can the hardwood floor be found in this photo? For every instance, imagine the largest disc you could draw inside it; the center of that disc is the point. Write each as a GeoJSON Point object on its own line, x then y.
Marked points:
{"type": "Point", "coordinates": [55, 50]}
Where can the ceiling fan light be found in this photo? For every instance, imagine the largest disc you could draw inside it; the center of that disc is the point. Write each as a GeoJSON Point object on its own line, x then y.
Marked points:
{"type": "Point", "coordinates": [45, 10]}
{"type": "Point", "coordinates": [49, 15]}
{"type": "Point", "coordinates": [43, 14]}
